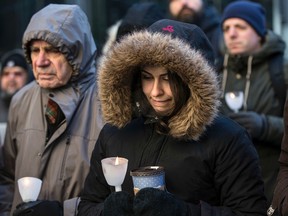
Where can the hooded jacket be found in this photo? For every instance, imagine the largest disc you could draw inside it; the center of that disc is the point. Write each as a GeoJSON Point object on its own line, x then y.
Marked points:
{"type": "Point", "coordinates": [61, 162]}
{"type": "Point", "coordinates": [138, 16]}
{"type": "Point", "coordinates": [207, 158]}
{"type": "Point", "coordinates": [260, 97]}
{"type": "Point", "coordinates": [210, 24]}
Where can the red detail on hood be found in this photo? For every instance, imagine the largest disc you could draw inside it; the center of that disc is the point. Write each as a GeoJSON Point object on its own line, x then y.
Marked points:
{"type": "Point", "coordinates": [169, 28]}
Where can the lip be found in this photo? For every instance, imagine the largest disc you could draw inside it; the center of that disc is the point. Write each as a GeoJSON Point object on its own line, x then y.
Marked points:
{"type": "Point", "coordinates": [159, 103]}
{"type": "Point", "coordinates": [45, 76]}
{"type": "Point", "coordinates": [235, 44]}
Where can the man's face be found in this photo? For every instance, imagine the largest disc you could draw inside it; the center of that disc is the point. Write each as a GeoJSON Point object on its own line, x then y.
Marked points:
{"type": "Point", "coordinates": [240, 37]}
{"type": "Point", "coordinates": [13, 78]}
{"type": "Point", "coordinates": [50, 67]}
{"type": "Point", "coordinates": [185, 10]}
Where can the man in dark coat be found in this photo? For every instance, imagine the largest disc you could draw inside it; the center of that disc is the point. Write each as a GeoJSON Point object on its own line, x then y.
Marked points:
{"type": "Point", "coordinates": [250, 51]}
{"type": "Point", "coordinates": [203, 14]}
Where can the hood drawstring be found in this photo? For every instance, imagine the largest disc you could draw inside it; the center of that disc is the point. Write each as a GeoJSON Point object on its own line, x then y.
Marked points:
{"type": "Point", "coordinates": [225, 74]}
{"type": "Point", "coordinates": [248, 75]}
{"type": "Point", "coordinates": [247, 85]}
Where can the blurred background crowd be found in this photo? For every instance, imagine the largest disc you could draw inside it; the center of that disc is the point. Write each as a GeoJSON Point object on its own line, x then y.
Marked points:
{"type": "Point", "coordinates": [15, 15]}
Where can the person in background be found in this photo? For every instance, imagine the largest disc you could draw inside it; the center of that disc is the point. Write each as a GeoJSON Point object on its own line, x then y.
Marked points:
{"type": "Point", "coordinates": [159, 95]}
{"type": "Point", "coordinates": [203, 14]}
{"type": "Point", "coordinates": [14, 74]}
{"type": "Point", "coordinates": [54, 121]}
{"type": "Point", "coordinates": [138, 16]}
{"type": "Point", "coordinates": [253, 65]}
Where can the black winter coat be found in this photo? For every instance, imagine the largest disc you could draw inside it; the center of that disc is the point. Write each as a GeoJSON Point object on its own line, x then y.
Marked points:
{"type": "Point", "coordinates": [220, 173]}
{"type": "Point", "coordinates": [208, 159]}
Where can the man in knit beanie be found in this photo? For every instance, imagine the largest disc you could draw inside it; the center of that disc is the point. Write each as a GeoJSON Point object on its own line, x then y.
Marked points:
{"type": "Point", "coordinates": [14, 75]}
{"type": "Point", "coordinates": [249, 13]}
{"type": "Point", "coordinates": [251, 51]}
{"type": "Point", "coordinates": [14, 72]}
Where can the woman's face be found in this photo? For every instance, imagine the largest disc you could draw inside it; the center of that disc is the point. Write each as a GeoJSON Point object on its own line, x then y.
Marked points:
{"type": "Point", "coordinates": [156, 87]}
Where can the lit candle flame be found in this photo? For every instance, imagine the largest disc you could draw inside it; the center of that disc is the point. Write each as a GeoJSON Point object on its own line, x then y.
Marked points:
{"type": "Point", "coordinates": [117, 161]}
{"type": "Point", "coordinates": [27, 182]}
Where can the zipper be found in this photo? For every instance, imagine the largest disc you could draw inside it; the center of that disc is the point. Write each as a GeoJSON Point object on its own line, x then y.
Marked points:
{"type": "Point", "coordinates": [65, 156]}
{"type": "Point", "coordinates": [270, 211]}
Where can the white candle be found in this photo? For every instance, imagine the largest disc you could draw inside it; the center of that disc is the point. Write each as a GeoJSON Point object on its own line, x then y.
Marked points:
{"type": "Point", "coordinates": [114, 169]}
{"type": "Point", "coordinates": [29, 188]}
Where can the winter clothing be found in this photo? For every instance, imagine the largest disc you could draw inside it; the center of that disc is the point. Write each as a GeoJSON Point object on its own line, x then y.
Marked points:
{"type": "Point", "coordinates": [280, 198]}
{"type": "Point", "coordinates": [152, 201]}
{"type": "Point", "coordinates": [4, 106]}
{"type": "Point", "coordinates": [139, 16]}
{"type": "Point", "coordinates": [250, 74]}
{"type": "Point", "coordinates": [209, 21]}
{"type": "Point", "coordinates": [61, 161]}
{"type": "Point", "coordinates": [11, 59]}
{"type": "Point", "coordinates": [43, 208]}
{"type": "Point", "coordinates": [209, 161]}
{"type": "Point", "coordinates": [253, 13]}
{"type": "Point", "coordinates": [119, 203]}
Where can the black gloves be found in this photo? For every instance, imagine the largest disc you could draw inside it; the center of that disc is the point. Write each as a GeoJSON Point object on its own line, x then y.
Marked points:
{"type": "Point", "coordinates": [39, 208]}
{"type": "Point", "coordinates": [151, 201]}
{"type": "Point", "coordinates": [118, 203]}
{"type": "Point", "coordinates": [148, 202]}
{"type": "Point", "coordinates": [252, 121]}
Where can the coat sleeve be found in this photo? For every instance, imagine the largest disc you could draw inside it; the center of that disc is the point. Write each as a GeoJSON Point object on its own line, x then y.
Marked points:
{"type": "Point", "coordinates": [280, 198]}
{"type": "Point", "coordinates": [273, 130]}
{"type": "Point", "coordinates": [7, 169]}
{"type": "Point", "coordinates": [238, 181]}
{"type": "Point", "coordinates": [95, 188]}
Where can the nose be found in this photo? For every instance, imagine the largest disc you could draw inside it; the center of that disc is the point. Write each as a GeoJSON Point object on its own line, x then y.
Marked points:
{"type": "Point", "coordinates": [11, 75]}
{"type": "Point", "coordinates": [184, 2]}
{"type": "Point", "coordinates": [42, 60]}
{"type": "Point", "coordinates": [232, 32]}
{"type": "Point", "coordinates": [157, 89]}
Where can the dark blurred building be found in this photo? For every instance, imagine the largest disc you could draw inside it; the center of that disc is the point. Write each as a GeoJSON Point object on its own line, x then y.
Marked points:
{"type": "Point", "coordinates": [15, 16]}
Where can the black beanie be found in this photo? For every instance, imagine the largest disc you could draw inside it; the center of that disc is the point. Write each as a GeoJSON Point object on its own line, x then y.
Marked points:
{"type": "Point", "coordinates": [189, 33]}
{"type": "Point", "coordinates": [14, 58]}
{"type": "Point", "coordinates": [253, 13]}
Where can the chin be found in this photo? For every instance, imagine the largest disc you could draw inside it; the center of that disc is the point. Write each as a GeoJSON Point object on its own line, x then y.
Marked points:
{"type": "Point", "coordinates": [237, 52]}
{"type": "Point", "coordinates": [46, 85]}
{"type": "Point", "coordinates": [163, 112]}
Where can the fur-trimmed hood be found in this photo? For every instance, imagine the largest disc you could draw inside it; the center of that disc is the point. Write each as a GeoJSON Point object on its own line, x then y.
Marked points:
{"type": "Point", "coordinates": [191, 57]}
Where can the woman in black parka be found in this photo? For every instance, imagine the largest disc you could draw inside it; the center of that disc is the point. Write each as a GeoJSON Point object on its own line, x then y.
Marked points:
{"type": "Point", "coordinates": [160, 99]}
